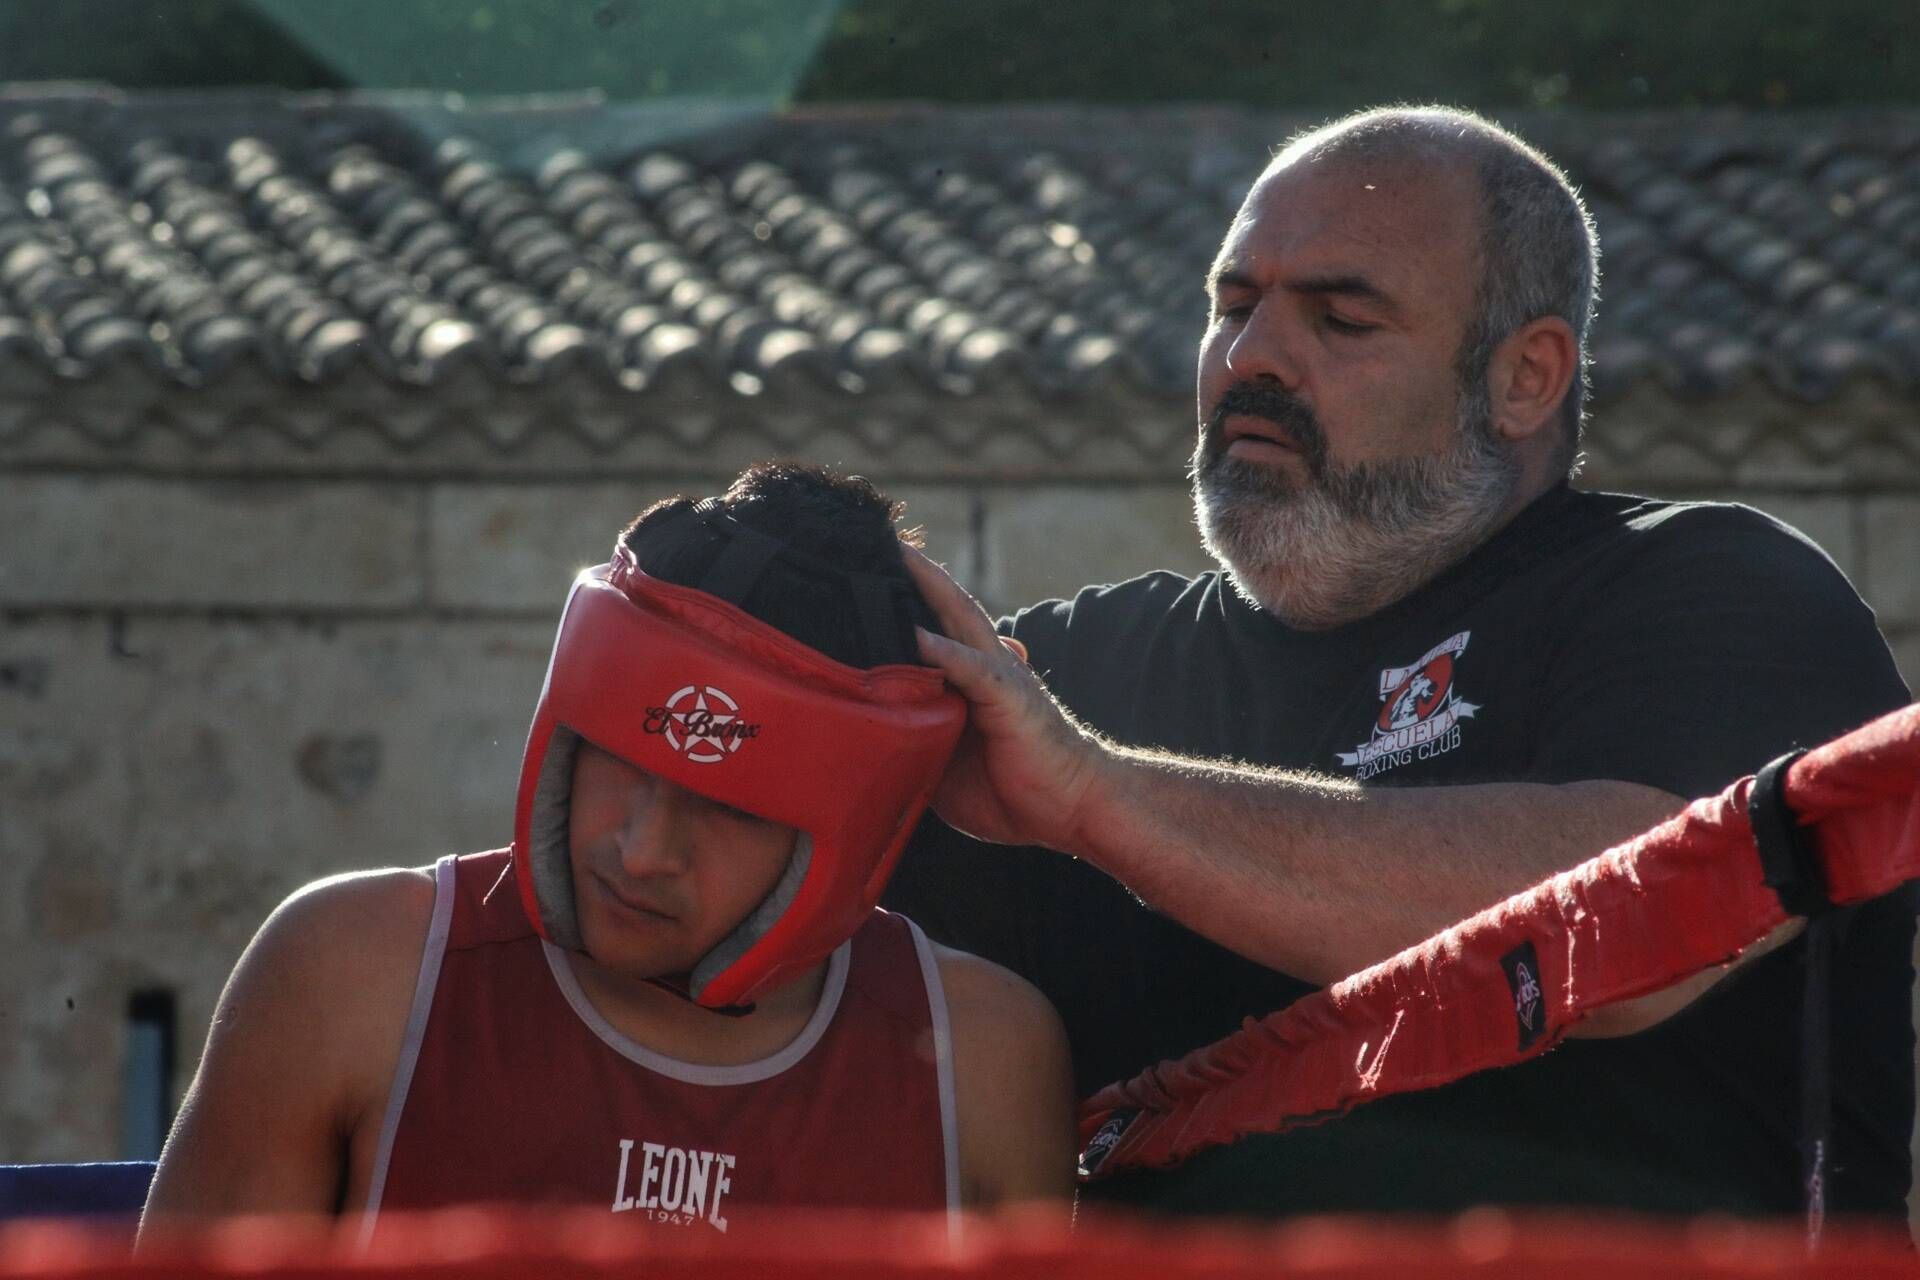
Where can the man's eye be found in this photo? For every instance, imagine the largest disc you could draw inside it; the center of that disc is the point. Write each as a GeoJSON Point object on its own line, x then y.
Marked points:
{"type": "Point", "coordinates": [1348, 327]}
{"type": "Point", "coordinates": [1233, 311]}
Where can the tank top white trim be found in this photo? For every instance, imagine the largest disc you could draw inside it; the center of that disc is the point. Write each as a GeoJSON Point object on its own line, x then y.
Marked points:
{"type": "Point", "coordinates": [432, 951]}
{"type": "Point", "coordinates": [943, 1062]}
{"type": "Point", "coordinates": [698, 1073]}
{"type": "Point", "coordinates": [838, 965]}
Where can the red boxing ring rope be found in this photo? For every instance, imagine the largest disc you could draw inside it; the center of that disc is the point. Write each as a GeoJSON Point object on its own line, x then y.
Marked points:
{"type": "Point", "coordinates": [497, 1244]}
{"type": "Point", "coordinates": [1508, 983]}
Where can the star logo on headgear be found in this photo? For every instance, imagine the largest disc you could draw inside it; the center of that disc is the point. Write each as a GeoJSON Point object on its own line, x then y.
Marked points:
{"type": "Point", "coordinates": [704, 724]}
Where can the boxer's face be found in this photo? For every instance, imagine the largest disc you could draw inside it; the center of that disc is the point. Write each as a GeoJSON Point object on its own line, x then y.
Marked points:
{"type": "Point", "coordinates": [660, 874]}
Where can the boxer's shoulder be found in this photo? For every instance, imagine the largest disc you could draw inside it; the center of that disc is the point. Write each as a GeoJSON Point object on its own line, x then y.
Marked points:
{"type": "Point", "coordinates": [340, 958]}
{"type": "Point", "coordinates": [301, 1051]}
{"type": "Point", "coordinates": [994, 1000]}
{"type": "Point", "coordinates": [1018, 1033]}
{"type": "Point", "coordinates": [358, 918]}
{"type": "Point", "coordinates": [1013, 1081]}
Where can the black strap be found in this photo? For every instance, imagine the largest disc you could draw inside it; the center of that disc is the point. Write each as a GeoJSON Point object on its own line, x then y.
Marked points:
{"type": "Point", "coordinates": [746, 552]}
{"type": "Point", "coordinates": [1788, 862]}
{"type": "Point", "coordinates": [873, 597]}
{"type": "Point", "coordinates": [1792, 870]}
{"type": "Point", "coordinates": [742, 560]}
{"type": "Point", "coordinates": [1816, 1072]}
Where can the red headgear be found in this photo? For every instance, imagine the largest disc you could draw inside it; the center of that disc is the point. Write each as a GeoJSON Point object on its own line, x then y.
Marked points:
{"type": "Point", "coordinates": [693, 690]}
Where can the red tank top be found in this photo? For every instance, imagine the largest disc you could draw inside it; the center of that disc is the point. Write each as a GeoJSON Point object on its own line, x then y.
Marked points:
{"type": "Point", "coordinates": [512, 1087]}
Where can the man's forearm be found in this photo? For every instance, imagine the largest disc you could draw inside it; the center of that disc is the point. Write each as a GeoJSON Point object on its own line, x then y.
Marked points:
{"type": "Point", "coordinates": [1318, 877]}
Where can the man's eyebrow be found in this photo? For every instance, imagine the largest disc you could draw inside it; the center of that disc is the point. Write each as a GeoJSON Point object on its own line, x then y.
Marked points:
{"type": "Point", "coordinates": [1340, 284]}
{"type": "Point", "coordinates": [1227, 273]}
{"type": "Point", "coordinates": [1347, 286]}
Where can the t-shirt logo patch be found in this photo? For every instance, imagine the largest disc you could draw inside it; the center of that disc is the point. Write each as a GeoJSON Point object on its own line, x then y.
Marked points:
{"type": "Point", "coordinates": [1420, 713]}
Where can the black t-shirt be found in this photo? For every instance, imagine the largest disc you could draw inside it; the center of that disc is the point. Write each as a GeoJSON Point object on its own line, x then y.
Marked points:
{"type": "Point", "coordinates": [1597, 636]}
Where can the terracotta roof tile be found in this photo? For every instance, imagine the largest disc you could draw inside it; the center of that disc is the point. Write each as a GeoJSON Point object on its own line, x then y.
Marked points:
{"type": "Point", "coordinates": [956, 252]}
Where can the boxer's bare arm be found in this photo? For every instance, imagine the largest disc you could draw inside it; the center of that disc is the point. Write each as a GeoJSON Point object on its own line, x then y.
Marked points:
{"type": "Point", "coordinates": [1013, 1086]}
{"type": "Point", "coordinates": [1311, 875]}
{"type": "Point", "coordinates": [293, 1083]}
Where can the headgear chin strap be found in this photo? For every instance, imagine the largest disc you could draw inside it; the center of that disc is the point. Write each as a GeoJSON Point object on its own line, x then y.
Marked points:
{"type": "Point", "coordinates": [697, 692]}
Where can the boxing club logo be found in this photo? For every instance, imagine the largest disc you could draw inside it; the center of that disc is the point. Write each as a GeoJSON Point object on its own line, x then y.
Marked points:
{"type": "Point", "coordinates": [1523, 979]}
{"type": "Point", "coordinates": [1420, 713]}
{"type": "Point", "coordinates": [702, 723]}
{"type": "Point", "coordinates": [1102, 1143]}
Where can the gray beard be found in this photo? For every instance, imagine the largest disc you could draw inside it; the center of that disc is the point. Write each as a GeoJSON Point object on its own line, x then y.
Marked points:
{"type": "Point", "coordinates": [1349, 541]}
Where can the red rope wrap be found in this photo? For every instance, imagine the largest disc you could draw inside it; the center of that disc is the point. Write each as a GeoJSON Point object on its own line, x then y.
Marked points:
{"type": "Point", "coordinates": [1674, 901]}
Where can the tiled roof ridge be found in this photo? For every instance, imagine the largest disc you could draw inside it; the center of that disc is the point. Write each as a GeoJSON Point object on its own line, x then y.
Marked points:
{"type": "Point", "coordinates": [1163, 127]}
{"type": "Point", "coordinates": [854, 246]}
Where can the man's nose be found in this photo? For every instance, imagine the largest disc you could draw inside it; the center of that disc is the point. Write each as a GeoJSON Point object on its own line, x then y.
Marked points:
{"type": "Point", "coordinates": [1266, 348]}
{"type": "Point", "coordinates": [654, 838]}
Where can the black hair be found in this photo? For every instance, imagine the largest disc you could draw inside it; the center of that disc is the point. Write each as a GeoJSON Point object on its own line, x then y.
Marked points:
{"type": "Point", "coordinates": [836, 530]}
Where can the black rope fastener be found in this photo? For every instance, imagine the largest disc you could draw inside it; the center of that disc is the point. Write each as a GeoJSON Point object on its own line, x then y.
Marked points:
{"type": "Point", "coordinates": [1788, 862]}
{"type": "Point", "coordinates": [1792, 870]}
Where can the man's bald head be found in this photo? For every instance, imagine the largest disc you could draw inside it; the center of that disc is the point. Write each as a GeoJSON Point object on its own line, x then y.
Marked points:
{"type": "Point", "coordinates": [1538, 253]}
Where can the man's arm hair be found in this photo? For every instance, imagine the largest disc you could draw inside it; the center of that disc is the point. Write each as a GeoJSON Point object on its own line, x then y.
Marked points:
{"type": "Point", "coordinates": [1347, 876]}
{"type": "Point", "coordinates": [305, 1033]}
{"type": "Point", "coordinates": [1319, 877]}
{"type": "Point", "coordinates": [1013, 1081]}
{"type": "Point", "coordinates": [1313, 876]}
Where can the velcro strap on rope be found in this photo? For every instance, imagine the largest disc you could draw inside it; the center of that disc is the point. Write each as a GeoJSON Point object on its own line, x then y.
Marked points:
{"type": "Point", "coordinates": [1788, 862]}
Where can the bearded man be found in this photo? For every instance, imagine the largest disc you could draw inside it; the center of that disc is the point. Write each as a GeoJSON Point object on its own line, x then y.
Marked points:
{"type": "Point", "coordinates": [1429, 674]}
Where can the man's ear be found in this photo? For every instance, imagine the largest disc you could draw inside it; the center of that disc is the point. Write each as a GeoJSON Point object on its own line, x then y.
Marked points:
{"type": "Point", "coordinates": [1529, 377]}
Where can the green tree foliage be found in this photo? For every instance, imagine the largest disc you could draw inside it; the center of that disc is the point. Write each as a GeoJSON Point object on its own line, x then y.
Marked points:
{"type": "Point", "coordinates": [1338, 54]}
{"type": "Point", "coordinates": [1316, 55]}
{"type": "Point", "coordinates": [172, 45]}
{"type": "Point", "coordinates": [627, 49]}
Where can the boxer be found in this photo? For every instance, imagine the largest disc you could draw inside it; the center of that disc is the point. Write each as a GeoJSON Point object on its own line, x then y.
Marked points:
{"type": "Point", "coordinates": [673, 994]}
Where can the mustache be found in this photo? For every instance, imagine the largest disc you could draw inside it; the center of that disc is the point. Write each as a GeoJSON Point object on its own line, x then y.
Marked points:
{"type": "Point", "coordinates": [1273, 404]}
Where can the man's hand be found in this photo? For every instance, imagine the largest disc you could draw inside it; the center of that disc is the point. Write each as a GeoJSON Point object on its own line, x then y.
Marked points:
{"type": "Point", "coordinates": [1023, 767]}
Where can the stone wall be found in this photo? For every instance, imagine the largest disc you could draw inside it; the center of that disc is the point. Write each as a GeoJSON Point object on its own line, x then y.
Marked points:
{"type": "Point", "coordinates": [214, 689]}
